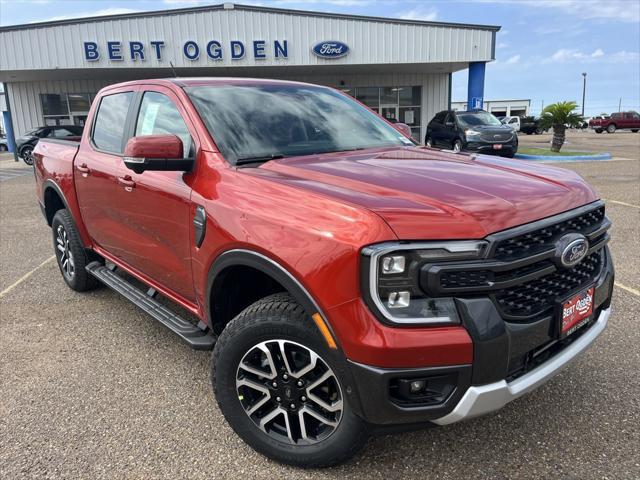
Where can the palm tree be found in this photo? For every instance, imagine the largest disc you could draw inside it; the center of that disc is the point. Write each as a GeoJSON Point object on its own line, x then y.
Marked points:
{"type": "Point", "coordinates": [559, 116]}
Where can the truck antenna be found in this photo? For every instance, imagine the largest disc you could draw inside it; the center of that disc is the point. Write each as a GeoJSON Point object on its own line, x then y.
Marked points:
{"type": "Point", "coordinates": [173, 70]}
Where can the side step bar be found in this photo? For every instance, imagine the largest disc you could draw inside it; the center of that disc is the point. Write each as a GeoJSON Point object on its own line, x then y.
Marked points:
{"type": "Point", "coordinates": [190, 333]}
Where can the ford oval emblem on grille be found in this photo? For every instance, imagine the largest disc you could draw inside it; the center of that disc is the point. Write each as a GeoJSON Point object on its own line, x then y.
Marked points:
{"type": "Point", "coordinates": [571, 249]}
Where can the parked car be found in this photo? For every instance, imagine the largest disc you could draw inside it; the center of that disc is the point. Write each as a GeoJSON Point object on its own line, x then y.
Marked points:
{"type": "Point", "coordinates": [347, 280]}
{"type": "Point", "coordinates": [513, 122]}
{"type": "Point", "coordinates": [529, 125]}
{"type": "Point", "coordinates": [27, 142]}
{"type": "Point", "coordinates": [617, 121]}
{"type": "Point", "coordinates": [471, 131]}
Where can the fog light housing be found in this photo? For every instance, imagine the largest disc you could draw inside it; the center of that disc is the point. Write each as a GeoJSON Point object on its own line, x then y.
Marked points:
{"type": "Point", "coordinates": [399, 299]}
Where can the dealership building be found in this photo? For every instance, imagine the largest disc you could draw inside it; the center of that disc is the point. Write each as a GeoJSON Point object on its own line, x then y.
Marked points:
{"type": "Point", "coordinates": [51, 71]}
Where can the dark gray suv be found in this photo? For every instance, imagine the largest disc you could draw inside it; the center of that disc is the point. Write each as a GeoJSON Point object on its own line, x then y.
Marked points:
{"type": "Point", "coordinates": [471, 131]}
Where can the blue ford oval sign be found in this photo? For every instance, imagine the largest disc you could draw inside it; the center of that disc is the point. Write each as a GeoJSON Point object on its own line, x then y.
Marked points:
{"type": "Point", "coordinates": [330, 49]}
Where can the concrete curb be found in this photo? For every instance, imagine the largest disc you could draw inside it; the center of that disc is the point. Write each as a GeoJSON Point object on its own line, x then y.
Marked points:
{"type": "Point", "coordinates": [568, 158]}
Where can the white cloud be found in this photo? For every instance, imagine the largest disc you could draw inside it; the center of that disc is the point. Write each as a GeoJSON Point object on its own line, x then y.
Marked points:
{"type": "Point", "coordinates": [97, 13]}
{"type": "Point", "coordinates": [419, 13]}
{"type": "Point", "coordinates": [514, 59]}
{"type": "Point", "coordinates": [502, 45]}
{"type": "Point", "coordinates": [620, 10]}
{"type": "Point", "coordinates": [598, 55]}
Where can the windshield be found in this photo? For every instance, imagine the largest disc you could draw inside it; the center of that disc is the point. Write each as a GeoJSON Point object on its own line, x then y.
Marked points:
{"type": "Point", "coordinates": [258, 123]}
{"type": "Point", "coordinates": [477, 118]}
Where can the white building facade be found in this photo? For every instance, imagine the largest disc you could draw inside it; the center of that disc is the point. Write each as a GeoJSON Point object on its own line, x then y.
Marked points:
{"type": "Point", "coordinates": [401, 68]}
{"type": "Point", "coordinates": [501, 108]}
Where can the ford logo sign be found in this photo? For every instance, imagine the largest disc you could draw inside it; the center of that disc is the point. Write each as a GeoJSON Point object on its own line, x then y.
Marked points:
{"type": "Point", "coordinates": [330, 49]}
{"type": "Point", "coordinates": [571, 249]}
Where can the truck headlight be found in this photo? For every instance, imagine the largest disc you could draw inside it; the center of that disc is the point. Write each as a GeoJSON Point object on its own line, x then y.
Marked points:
{"type": "Point", "coordinates": [391, 280]}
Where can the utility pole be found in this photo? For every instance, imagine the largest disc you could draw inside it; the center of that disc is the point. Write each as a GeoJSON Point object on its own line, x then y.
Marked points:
{"type": "Point", "coordinates": [541, 106]}
{"type": "Point", "coordinates": [620, 105]}
{"type": "Point", "coordinates": [584, 88]}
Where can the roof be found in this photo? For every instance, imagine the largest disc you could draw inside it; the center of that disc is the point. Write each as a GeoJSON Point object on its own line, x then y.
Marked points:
{"type": "Point", "coordinates": [231, 6]}
{"type": "Point", "coordinates": [208, 81]}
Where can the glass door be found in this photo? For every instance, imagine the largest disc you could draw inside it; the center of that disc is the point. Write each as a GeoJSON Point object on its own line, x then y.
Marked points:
{"type": "Point", "coordinates": [389, 112]}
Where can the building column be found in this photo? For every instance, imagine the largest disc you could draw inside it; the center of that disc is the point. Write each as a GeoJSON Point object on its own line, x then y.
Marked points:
{"type": "Point", "coordinates": [6, 119]}
{"type": "Point", "coordinates": [475, 90]}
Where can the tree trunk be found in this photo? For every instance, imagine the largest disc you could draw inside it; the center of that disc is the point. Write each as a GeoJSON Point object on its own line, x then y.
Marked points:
{"type": "Point", "coordinates": [558, 137]}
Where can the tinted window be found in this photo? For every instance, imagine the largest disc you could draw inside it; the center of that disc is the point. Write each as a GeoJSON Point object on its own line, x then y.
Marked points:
{"type": "Point", "coordinates": [480, 118]}
{"type": "Point", "coordinates": [69, 131]}
{"type": "Point", "coordinates": [272, 120]}
{"type": "Point", "coordinates": [159, 116]}
{"type": "Point", "coordinates": [616, 115]}
{"type": "Point", "coordinates": [439, 118]}
{"type": "Point", "coordinates": [108, 129]}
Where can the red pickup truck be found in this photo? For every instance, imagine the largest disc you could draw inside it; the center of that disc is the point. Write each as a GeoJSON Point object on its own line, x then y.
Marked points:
{"type": "Point", "coordinates": [617, 121]}
{"type": "Point", "coordinates": [349, 281]}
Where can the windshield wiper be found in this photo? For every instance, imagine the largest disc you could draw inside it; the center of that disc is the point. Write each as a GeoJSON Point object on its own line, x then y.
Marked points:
{"type": "Point", "coordinates": [261, 159]}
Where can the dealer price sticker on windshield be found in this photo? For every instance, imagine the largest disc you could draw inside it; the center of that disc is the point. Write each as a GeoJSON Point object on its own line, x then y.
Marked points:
{"type": "Point", "coordinates": [575, 312]}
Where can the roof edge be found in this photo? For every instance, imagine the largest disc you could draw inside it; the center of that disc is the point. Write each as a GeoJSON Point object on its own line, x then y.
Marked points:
{"type": "Point", "coordinates": [231, 6]}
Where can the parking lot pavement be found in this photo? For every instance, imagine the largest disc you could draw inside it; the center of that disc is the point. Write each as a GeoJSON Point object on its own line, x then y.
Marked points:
{"type": "Point", "coordinates": [93, 388]}
{"type": "Point", "coordinates": [622, 143]}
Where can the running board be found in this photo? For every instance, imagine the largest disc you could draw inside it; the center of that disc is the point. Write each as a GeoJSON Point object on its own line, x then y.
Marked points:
{"type": "Point", "coordinates": [190, 333]}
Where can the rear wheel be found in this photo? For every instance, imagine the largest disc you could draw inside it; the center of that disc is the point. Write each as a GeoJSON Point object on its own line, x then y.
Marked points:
{"type": "Point", "coordinates": [3, 147]}
{"type": "Point", "coordinates": [457, 146]}
{"type": "Point", "coordinates": [611, 128]}
{"type": "Point", "coordinates": [70, 253]}
{"type": "Point", "coordinates": [599, 130]}
{"type": "Point", "coordinates": [634, 130]}
{"type": "Point", "coordinates": [282, 390]}
{"type": "Point", "coordinates": [428, 142]}
{"type": "Point", "coordinates": [27, 154]}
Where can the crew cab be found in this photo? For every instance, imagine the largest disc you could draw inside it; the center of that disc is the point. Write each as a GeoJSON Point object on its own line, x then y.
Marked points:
{"type": "Point", "coordinates": [348, 281]}
{"type": "Point", "coordinates": [617, 121]}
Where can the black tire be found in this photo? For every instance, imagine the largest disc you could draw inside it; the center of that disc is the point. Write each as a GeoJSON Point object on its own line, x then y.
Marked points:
{"type": "Point", "coordinates": [3, 147]}
{"type": "Point", "coordinates": [634, 130]}
{"type": "Point", "coordinates": [428, 142]}
{"type": "Point", "coordinates": [27, 154]}
{"type": "Point", "coordinates": [67, 238]}
{"type": "Point", "coordinates": [599, 131]}
{"type": "Point", "coordinates": [611, 128]}
{"type": "Point", "coordinates": [457, 145]}
{"type": "Point", "coordinates": [280, 317]}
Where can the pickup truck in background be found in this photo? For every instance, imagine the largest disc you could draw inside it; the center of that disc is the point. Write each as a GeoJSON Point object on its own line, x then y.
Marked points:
{"type": "Point", "coordinates": [530, 125]}
{"type": "Point", "coordinates": [617, 121]}
{"type": "Point", "coordinates": [348, 281]}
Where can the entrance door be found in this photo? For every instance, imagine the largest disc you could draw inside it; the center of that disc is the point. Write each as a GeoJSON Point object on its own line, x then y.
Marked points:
{"type": "Point", "coordinates": [390, 113]}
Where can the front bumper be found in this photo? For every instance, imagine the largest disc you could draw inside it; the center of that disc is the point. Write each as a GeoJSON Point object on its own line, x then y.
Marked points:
{"type": "Point", "coordinates": [480, 400]}
{"type": "Point", "coordinates": [486, 148]}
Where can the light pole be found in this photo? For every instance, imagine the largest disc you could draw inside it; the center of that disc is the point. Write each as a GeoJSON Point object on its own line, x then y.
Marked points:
{"type": "Point", "coordinates": [584, 88]}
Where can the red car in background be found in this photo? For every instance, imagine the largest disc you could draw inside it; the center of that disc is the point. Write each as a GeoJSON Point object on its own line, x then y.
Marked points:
{"type": "Point", "coordinates": [617, 121]}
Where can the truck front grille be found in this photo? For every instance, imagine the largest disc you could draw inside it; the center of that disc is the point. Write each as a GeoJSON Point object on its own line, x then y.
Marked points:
{"type": "Point", "coordinates": [520, 274]}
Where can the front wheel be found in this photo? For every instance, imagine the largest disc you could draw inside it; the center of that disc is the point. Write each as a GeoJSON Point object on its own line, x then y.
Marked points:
{"type": "Point", "coordinates": [457, 146]}
{"type": "Point", "coordinates": [611, 128]}
{"type": "Point", "coordinates": [3, 147]}
{"type": "Point", "coordinates": [634, 130]}
{"type": "Point", "coordinates": [27, 154]}
{"type": "Point", "coordinates": [599, 130]}
{"type": "Point", "coordinates": [428, 142]}
{"type": "Point", "coordinates": [282, 390]}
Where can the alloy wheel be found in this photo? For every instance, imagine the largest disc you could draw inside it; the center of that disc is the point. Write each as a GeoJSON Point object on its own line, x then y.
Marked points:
{"type": "Point", "coordinates": [63, 251]}
{"type": "Point", "coordinates": [457, 146]}
{"type": "Point", "coordinates": [289, 392]}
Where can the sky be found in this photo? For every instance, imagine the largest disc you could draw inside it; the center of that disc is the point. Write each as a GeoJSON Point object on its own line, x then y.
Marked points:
{"type": "Point", "coordinates": [542, 50]}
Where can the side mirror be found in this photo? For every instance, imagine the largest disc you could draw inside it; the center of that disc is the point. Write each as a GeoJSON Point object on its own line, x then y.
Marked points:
{"type": "Point", "coordinates": [404, 128]}
{"type": "Point", "coordinates": [156, 152]}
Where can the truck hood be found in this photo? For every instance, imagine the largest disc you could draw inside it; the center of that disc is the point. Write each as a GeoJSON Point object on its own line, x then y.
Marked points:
{"type": "Point", "coordinates": [428, 194]}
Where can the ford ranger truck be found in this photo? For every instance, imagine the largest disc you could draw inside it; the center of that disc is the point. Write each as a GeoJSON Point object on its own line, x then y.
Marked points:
{"type": "Point", "coordinates": [348, 281]}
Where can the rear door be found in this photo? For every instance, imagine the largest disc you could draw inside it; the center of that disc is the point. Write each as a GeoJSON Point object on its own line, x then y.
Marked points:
{"type": "Point", "coordinates": [97, 166]}
{"type": "Point", "coordinates": [154, 208]}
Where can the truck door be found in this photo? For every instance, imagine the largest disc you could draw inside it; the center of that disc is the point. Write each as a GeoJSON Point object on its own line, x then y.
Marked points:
{"type": "Point", "coordinates": [154, 207]}
{"type": "Point", "coordinates": [97, 165]}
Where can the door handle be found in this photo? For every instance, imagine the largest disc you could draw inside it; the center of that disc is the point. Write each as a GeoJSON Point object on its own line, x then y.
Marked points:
{"type": "Point", "coordinates": [82, 168]}
{"type": "Point", "coordinates": [127, 182]}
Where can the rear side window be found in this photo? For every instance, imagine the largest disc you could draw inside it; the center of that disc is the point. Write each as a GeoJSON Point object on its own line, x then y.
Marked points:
{"type": "Point", "coordinates": [109, 126]}
{"type": "Point", "coordinates": [159, 116]}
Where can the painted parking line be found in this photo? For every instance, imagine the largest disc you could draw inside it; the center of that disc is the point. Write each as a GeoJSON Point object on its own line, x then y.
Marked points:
{"type": "Point", "coordinates": [622, 203]}
{"type": "Point", "coordinates": [628, 289]}
{"type": "Point", "coordinates": [26, 276]}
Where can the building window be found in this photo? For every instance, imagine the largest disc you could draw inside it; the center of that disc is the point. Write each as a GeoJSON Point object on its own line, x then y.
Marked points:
{"type": "Point", "coordinates": [396, 104]}
{"type": "Point", "coordinates": [65, 108]}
